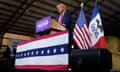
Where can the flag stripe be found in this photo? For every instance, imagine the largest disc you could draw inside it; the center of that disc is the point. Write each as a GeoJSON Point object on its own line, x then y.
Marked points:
{"type": "Point", "coordinates": [44, 60]}
{"type": "Point", "coordinates": [85, 37]}
{"type": "Point", "coordinates": [88, 35]}
{"type": "Point", "coordinates": [81, 34]}
{"type": "Point", "coordinates": [84, 34]}
{"type": "Point", "coordinates": [43, 37]}
{"type": "Point", "coordinates": [100, 43]}
{"type": "Point", "coordinates": [38, 51]}
{"type": "Point", "coordinates": [79, 37]}
{"type": "Point", "coordinates": [78, 41]}
{"type": "Point", "coordinates": [56, 40]}
{"type": "Point", "coordinates": [43, 67]}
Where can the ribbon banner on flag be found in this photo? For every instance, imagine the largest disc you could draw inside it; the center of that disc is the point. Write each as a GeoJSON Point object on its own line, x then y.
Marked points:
{"type": "Point", "coordinates": [48, 52]}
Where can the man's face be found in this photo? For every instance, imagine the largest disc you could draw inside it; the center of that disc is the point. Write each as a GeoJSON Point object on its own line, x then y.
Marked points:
{"type": "Point", "coordinates": [60, 9]}
{"type": "Point", "coordinates": [11, 45]}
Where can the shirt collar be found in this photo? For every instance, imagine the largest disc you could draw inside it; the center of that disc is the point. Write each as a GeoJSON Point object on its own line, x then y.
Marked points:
{"type": "Point", "coordinates": [63, 12]}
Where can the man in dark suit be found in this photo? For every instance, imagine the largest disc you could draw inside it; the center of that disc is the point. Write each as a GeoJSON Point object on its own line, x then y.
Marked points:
{"type": "Point", "coordinates": [65, 19]}
{"type": "Point", "coordinates": [64, 16]}
{"type": "Point", "coordinates": [10, 51]}
{"type": "Point", "coordinates": [10, 54]}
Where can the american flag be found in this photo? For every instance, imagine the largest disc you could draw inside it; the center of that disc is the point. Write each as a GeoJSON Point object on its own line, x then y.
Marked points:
{"type": "Point", "coordinates": [81, 33]}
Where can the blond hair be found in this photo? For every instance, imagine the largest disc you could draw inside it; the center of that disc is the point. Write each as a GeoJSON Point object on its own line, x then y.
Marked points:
{"type": "Point", "coordinates": [61, 4]}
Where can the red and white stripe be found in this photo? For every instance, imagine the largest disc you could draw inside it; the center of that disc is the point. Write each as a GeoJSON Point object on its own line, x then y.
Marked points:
{"type": "Point", "coordinates": [44, 62]}
{"type": "Point", "coordinates": [81, 37]}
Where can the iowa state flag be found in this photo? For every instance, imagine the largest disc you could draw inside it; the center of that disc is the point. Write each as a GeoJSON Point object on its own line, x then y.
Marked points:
{"type": "Point", "coordinates": [96, 30]}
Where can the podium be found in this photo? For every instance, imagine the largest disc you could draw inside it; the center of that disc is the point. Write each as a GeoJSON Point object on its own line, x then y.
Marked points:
{"type": "Point", "coordinates": [40, 54]}
{"type": "Point", "coordinates": [55, 26]}
{"type": "Point", "coordinates": [48, 25]}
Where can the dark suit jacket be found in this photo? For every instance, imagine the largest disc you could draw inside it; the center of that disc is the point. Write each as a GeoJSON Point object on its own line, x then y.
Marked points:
{"type": "Point", "coordinates": [67, 20]}
{"type": "Point", "coordinates": [8, 52]}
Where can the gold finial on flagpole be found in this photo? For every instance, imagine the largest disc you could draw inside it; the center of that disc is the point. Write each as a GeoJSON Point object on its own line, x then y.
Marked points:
{"type": "Point", "coordinates": [81, 5]}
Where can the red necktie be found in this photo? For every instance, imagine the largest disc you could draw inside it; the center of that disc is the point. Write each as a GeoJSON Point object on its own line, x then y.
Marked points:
{"type": "Point", "coordinates": [60, 18]}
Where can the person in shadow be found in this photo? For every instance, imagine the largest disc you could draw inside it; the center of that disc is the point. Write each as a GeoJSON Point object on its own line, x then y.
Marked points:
{"type": "Point", "coordinates": [10, 53]}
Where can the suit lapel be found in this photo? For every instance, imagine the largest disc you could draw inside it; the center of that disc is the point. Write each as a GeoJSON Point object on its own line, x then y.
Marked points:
{"type": "Point", "coordinates": [64, 17]}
